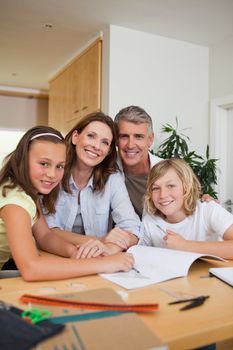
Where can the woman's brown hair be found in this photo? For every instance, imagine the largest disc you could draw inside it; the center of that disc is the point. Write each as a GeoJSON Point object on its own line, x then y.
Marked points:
{"type": "Point", "coordinates": [15, 170]}
{"type": "Point", "coordinates": [101, 171]}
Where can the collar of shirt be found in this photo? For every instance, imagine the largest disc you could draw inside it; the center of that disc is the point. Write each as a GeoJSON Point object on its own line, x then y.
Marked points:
{"type": "Point", "coordinates": [75, 188]}
{"type": "Point", "coordinates": [153, 160]}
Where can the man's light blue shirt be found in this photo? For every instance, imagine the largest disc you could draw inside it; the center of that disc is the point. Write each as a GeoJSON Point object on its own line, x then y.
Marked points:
{"type": "Point", "coordinates": [96, 208]}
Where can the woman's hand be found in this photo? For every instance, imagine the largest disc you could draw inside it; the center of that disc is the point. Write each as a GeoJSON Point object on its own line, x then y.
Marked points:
{"type": "Point", "coordinates": [91, 249]}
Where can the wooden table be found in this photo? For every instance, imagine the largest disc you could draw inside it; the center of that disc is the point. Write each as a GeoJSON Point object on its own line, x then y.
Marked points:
{"type": "Point", "coordinates": [209, 323]}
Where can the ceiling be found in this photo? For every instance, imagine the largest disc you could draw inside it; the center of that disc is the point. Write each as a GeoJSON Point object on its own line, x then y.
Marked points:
{"type": "Point", "coordinates": [31, 51]}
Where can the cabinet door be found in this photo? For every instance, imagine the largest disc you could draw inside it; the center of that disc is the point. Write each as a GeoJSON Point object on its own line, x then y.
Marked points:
{"type": "Point", "coordinates": [85, 84]}
{"type": "Point", "coordinates": [90, 65]}
{"type": "Point", "coordinates": [77, 90]}
{"type": "Point", "coordinates": [58, 102]}
{"type": "Point", "coordinates": [73, 93]}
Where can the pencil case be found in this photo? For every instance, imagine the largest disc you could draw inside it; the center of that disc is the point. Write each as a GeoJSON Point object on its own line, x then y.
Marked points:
{"type": "Point", "coordinates": [18, 334]}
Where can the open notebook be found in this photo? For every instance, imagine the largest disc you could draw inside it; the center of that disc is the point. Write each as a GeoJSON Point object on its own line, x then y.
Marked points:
{"type": "Point", "coordinates": [154, 265]}
{"type": "Point", "coordinates": [224, 273]}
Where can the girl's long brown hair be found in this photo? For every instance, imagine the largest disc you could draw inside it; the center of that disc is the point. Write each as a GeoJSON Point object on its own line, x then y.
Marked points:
{"type": "Point", "coordinates": [15, 170]}
{"type": "Point", "coordinates": [101, 171]}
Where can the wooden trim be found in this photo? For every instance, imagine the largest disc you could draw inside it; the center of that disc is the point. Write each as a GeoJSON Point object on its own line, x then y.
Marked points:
{"type": "Point", "coordinates": [22, 92]}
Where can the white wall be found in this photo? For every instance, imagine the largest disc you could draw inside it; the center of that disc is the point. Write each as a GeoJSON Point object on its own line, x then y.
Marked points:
{"type": "Point", "coordinates": [22, 112]}
{"type": "Point", "coordinates": [18, 114]}
{"type": "Point", "coordinates": [221, 69]}
{"type": "Point", "coordinates": [166, 77]}
{"type": "Point", "coordinates": [8, 142]}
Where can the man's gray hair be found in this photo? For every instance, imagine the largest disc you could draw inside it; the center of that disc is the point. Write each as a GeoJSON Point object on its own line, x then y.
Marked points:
{"type": "Point", "coordinates": [134, 114]}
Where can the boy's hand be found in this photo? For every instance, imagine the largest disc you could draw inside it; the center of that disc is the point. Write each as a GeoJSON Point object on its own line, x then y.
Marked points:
{"type": "Point", "coordinates": [174, 240]}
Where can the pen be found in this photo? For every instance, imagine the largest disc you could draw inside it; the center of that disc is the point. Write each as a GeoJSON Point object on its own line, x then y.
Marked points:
{"type": "Point", "coordinates": [134, 268]}
{"type": "Point", "coordinates": [161, 229]}
{"type": "Point", "coordinates": [139, 274]}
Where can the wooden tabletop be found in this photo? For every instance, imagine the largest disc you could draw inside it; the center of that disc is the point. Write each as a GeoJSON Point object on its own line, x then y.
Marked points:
{"type": "Point", "coordinates": [209, 323]}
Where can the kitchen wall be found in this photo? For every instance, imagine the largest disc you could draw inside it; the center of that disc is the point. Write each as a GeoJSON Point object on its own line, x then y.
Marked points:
{"type": "Point", "coordinates": [221, 69]}
{"type": "Point", "coordinates": [166, 77]}
{"type": "Point", "coordinates": [18, 114]}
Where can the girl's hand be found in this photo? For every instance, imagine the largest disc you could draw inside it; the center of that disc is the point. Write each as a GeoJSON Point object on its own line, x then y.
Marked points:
{"type": "Point", "coordinates": [91, 249]}
{"type": "Point", "coordinates": [174, 240]}
{"type": "Point", "coordinates": [118, 262]}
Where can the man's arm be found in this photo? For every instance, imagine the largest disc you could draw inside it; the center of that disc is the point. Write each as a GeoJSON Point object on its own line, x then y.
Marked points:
{"type": "Point", "coordinates": [121, 238]}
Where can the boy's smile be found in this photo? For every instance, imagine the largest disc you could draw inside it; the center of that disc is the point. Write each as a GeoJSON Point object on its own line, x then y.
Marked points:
{"type": "Point", "coordinates": [168, 196]}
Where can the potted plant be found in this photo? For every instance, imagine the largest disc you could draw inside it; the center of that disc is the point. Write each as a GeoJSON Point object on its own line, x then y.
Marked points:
{"type": "Point", "coordinates": [175, 145]}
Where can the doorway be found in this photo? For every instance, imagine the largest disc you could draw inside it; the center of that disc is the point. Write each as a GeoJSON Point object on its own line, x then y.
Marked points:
{"type": "Point", "coordinates": [8, 141]}
{"type": "Point", "coordinates": [221, 147]}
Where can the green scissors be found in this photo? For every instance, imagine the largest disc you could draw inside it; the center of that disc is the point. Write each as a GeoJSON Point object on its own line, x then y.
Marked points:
{"type": "Point", "coordinates": [34, 315]}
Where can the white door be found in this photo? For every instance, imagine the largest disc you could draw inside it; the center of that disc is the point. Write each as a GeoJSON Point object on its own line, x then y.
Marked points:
{"type": "Point", "coordinates": [221, 147]}
{"type": "Point", "coordinates": [229, 162]}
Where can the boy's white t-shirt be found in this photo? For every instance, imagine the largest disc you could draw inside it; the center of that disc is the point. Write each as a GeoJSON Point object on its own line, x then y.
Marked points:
{"type": "Point", "coordinates": [208, 223]}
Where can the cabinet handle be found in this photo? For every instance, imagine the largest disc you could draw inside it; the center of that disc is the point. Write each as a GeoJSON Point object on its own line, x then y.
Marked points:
{"type": "Point", "coordinates": [85, 107]}
{"type": "Point", "coordinates": [77, 110]}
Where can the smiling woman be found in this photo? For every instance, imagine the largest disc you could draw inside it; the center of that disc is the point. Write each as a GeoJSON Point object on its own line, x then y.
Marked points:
{"type": "Point", "coordinates": [94, 192]}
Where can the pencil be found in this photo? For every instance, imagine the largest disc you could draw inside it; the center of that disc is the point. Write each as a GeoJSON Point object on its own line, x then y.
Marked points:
{"type": "Point", "coordinates": [161, 229]}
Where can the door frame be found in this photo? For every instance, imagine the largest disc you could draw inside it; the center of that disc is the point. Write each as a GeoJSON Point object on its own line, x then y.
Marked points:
{"type": "Point", "coordinates": [218, 140]}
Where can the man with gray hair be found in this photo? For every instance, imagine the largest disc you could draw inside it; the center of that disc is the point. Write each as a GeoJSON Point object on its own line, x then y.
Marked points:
{"type": "Point", "coordinates": [135, 137]}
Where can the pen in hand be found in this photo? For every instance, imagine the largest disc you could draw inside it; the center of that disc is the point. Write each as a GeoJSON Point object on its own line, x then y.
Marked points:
{"type": "Point", "coordinates": [136, 270]}
{"type": "Point", "coordinates": [139, 274]}
{"type": "Point", "coordinates": [161, 229]}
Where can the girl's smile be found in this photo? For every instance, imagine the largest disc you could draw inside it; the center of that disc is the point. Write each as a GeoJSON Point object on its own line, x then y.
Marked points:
{"type": "Point", "coordinates": [46, 165]}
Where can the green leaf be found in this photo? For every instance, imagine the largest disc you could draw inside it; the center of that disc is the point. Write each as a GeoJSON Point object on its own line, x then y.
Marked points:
{"type": "Point", "coordinates": [176, 145]}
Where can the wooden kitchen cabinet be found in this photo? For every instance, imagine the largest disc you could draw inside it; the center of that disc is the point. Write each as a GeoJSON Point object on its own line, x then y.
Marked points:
{"type": "Point", "coordinates": [76, 91]}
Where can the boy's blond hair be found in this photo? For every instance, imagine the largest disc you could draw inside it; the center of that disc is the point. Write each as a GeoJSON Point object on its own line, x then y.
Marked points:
{"type": "Point", "coordinates": [191, 184]}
